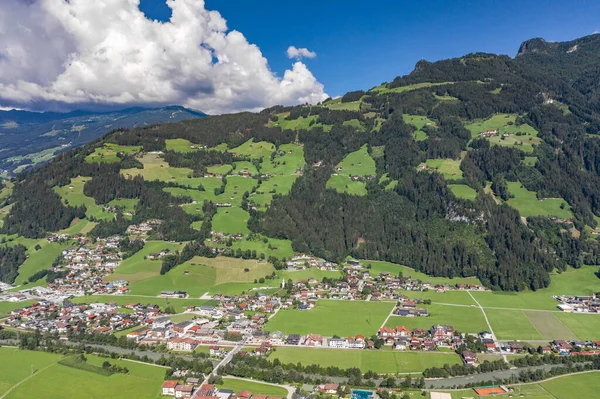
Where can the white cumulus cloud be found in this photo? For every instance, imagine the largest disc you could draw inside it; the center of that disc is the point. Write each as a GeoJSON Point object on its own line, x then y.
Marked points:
{"type": "Point", "coordinates": [299, 53]}
{"type": "Point", "coordinates": [68, 54]}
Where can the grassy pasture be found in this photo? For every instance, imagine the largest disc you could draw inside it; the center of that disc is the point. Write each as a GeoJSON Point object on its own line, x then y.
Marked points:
{"type": "Point", "coordinates": [235, 188]}
{"type": "Point", "coordinates": [384, 90]}
{"type": "Point", "coordinates": [231, 221]}
{"type": "Point", "coordinates": [512, 324]}
{"type": "Point", "coordinates": [180, 145]}
{"type": "Point", "coordinates": [329, 317]}
{"type": "Point", "coordinates": [584, 326]}
{"type": "Point", "coordinates": [549, 326]}
{"type": "Point", "coordinates": [572, 282]}
{"type": "Point", "coordinates": [179, 304]}
{"type": "Point", "coordinates": [138, 267]}
{"type": "Point", "coordinates": [72, 194]}
{"type": "Point", "coordinates": [378, 361]}
{"type": "Point", "coordinates": [344, 184]}
{"type": "Point", "coordinates": [289, 158]}
{"type": "Point", "coordinates": [244, 167]}
{"type": "Point", "coordinates": [254, 150]}
{"type": "Point", "coordinates": [155, 168]}
{"type": "Point", "coordinates": [39, 260]}
{"type": "Point", "coordinates": [527, 204]}
{"type": "Point", "coordinates": [393, 268]}
{"type": "Point", "coordinates": [357, 163]}
{"type": "Point", "coordinates": [505, 123]}
{"type": "Point", "coordinates": [302, 275]}
{"type": "Point", "coordinates": [419, 122]}
{"type": "Point", "coordinates": [16, 365]}
{"type": "Point", "coordinates": [338, 105]}
{"type": "Point", "coordinates": [279, 248]}
{"type": "Point", "coordinates": [108, 153]}
{"type": "Point", "coordinates": [255, 387]}
{"type": "Point", "coordinates": [219, 169]}
{"type": "Point", "coordinates": [273, 185]}
{"type": "Point", "coordinates": [463, 191]}
{"type": "Point", "coordinates": [301, 123]}
{"type": "Point", "coordinates": [464, 319]}
{"type": "Point", "coordinates": [7, 307]}
{"type": "Point", "coordinates": [449, 168]}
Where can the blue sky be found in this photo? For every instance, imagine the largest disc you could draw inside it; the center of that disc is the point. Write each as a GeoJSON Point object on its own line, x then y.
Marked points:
{"type": "Point", "coordinates": [363, 43]}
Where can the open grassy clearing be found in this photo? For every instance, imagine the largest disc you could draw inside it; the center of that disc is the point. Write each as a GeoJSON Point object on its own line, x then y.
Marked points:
{"type": "Point", "coordinates": [155, 168]}
{"type": "Point", "coordinates": [72, 194]}
{"type": "Point", "coordinates": [39, 260]}
{"type": "Point", "coordinates": [219, 169]}
{"type": "Point", "coordinates": [378, 267]}
{"type": "Point", "coordinates": [255, 387]}
{"type": "Point", "coordinates": [289, 158]}
{"type": "Point", "coordinates": [231, 220]}
{"type": "Point", "coordinates": [301, 123]}
{"type": "Point", "coordinates": [530, 161]}
{"type": "Point", "coordinates": [125, 204]}
{"type": "Point", "coordinates": [584, 326]}
{"type": "Point", "coordinates": [16, 365]}
{"type": "Point", "coordinates": [337, 104]}
{"type": "Point", "coordinates": [62, 381]}
{"type": "Point", "coordinates": [344, 184]}
{"type": "Point", "coordinates": [180, 145]}
{"type": "Point", "coordinates": [138, 267]}
{"type": "Point", "coordinates": [7, 307]}
{"type": "Point", "coordinates": [303, 275]}
{"type": "Point", "coordinates": [329, 317]}
{"type": "Point", "coordinates": [527, 204]}
{"type": "Point", "coordinates": [384, 90]}
{"type": "Point", "coordinates": [419, 122]}
{"type": "Point", "coordinates": [204, 275]}
{"type": "Point", "coordinates": [108, 152]}
{"type": "Point", "coordinates": [244, 167]}
{"type": "Point", "coordinates": [449, 168]}
{"type": "Point", "coordinates": [572, 282]}
{"type": "Point", "coordinates": [585, 386]}
{"type": "Point", "coordinates": [549, 326]}
{"type": "Point", "coordinates": [377, 361]}
{"type": "Point", "coordinates": [463, 191]}
{"type": "Point", "coordinates": [505, 124]}
{"type": "Point", "coordinates": [357, 163]}
{"type": "Point", "coordinates": [273, 185]}
{"type": "Point", "coordinates": [254, 150]}
{"type": "Point", "coordinates": [273, 247]}
{"type": "Point", "coordinates": [512, 324]}
{"type": "Point", "coordinates": [463, 319]}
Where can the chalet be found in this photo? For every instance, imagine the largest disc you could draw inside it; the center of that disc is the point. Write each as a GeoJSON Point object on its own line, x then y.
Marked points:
{"type": "Point", "coordinates": [329, 388]}
{"type": "Point", "coordinates": [469, 358]}
{"type": "Point", "coordinates": [183, 391]}
{"type": "Point", "coordinates": [168, 387]}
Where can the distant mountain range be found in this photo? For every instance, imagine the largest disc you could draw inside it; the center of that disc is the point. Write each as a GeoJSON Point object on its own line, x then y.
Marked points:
{"type": "Point", "coordinates": [28, 138]}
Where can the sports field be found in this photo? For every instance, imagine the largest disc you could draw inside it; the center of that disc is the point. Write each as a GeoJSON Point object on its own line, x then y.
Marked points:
{"type": "Point", "coordinates": [449, 168]}
{"type": "Point", "coordinates": [357, 163]}
{"type": "Point", "coordinates": [463, 191]}
{"type": "Point", "coordinates": [53, 380]}
{"type": "Point", "coordinates": [344, 184]}
{"type": "Point", "coordinates": [255, 387]}
{"type": "Point", "coordinates": [377, 361]}
{"type": "Point", "coordinates": [329, 317]}
{"type": "Point", "coordinates": [527, 204]}
{"type": "Point", "coordinates": [463, 319]}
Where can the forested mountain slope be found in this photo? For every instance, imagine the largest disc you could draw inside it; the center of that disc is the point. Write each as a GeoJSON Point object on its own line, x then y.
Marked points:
{"type": "Point", "coordinates": [482, 166]}
{"type": "Point", "coordinates": [28, 138]}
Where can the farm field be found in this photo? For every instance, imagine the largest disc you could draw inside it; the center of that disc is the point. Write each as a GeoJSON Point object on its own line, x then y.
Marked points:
{"type": "Point", "coordinates": [244, 167]}
{"type": "Point", "coordinates": [329, 317]}
{"type": "Point", "coordinates": [505, 123]}
{"type": "Point", "coordinates": [463, 191]}
{"type": "Point", "coordinates": [586, 385]}
{"type": "Point", "coordinates": [584, 326]}
{"type": "Point", "coordinates": [16, 365]}
{"type": "Point", "coordinates": [357, 163]}
{"type": "Point", "coordinates": [204, 275]}
{"type": "Point", "coordinates": [419, 122]}
{"type": "Point", "coordinates": [383, 90]}
{"type": "Point", "coordinates": [273, 185]}
{"type": "Point", "coordinates": [512, 325]}
{"type": "Point", "coordinates": [7, 307]}
{"type": "Point", "coordinates": [337, 104]}
{"type": "Point", "coordinates": [301, 123]}
{"type": "Point", "coordinates": [278, 248]}
{"type": "Point", "coordinates": [549, 326]}
{"type": "Point", "coordinates": [219, 169]}
{"type": "Point", "coordinates": [155, 168]}
{"type": "Point", "coordinates": [254, 150]}
{"type": "Point", "coordinates": [344, 184]}
{"type": "Point", "coordinates": [289, 158]}
{"type": "Point", "coordinates": [463, 319]}
{"type": "Point", "coordinates": [580, 281]}
{"type": "Point", "coordinates": [179, 145]}
{"type": "Point", "coordinates": [377, 361]}
{"type": "Point", "coordinates": [527, 204]}
{"type": "Point", "coordinates": [142, 381]}
{"type": "Point", "coordinates": [108, 153]}
{"type": "Point", "coordinates": [449, 168]}
{"type": "Point", "coordinates": [39, 260]}
{"type": "Point", "coordinates": [255, 387]}
{"type": "Point", "coordinates": [301, 275]}
{"type": "Point", "coordinates": [138, 267]}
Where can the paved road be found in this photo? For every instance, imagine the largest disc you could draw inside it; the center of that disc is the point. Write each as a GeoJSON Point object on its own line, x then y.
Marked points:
{"type": "Point", "coordinates": [488, 323]}
{"type": "Point", "coordinates": [226, 359]}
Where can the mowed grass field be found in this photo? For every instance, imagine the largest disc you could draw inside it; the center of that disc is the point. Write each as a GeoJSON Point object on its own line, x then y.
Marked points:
{"type": "Point", "coordinates": [278, 248]}
{"type": "Point", "coordinates": [108, 153]}
{"type": "Point", "coordinates": [449, 168]}
{"type": "Point", "coordinates": [273, 185]}
{"type": "Point", "coordinates": [201, 275]}
{"type": "Point", "coordinates": [231, 220]}
{"type": "Point", "coordinates": [301, 123]}
{"type": "Point", "coordinates": [357, 163]}
{"type": "Point", "coordinates": [155, 168]}
{"type": "Point", "coordinates": [512, 324]}
{"type": "Point", "coordinates": [138, 267]}
{"type": "Point", "coordinates": [180, 145]}
{"type": "Point", "coordinates": [289, 158]}
{"type": "Point", "coordinates": [344, 184]}
{"type": "Point", "coordinates": [463, 319]}
{"type": "Point", "coordinates": [255, 387]}
{"type": "Point", "coordinates": [527, 204]}
{"type": "Point", "coordinates": [419, 122]}
{"type": "Point", "coordinates": [463, 191]}
{"type": "Point", "coordinates": [7, 307]}
{"type": "Point", "coordinates": [254, 150]}
{"type": "Point", "coordinates": [377, 361]}
{"type": "Point", "coordinates": [58, 381]}
{"type": "Point", "coordinates": [329, 317]}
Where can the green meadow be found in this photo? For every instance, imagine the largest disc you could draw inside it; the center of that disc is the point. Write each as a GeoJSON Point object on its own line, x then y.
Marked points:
{"type": "Point", "coordinates": [463, 319]}
{"type": "Point", "coordinates": [180, 145]}
{"type": "Point", "coordinates": [288, 159]}
{"type": "Point", "coordinates": [419, 122]}
{"type": "Point", "coordinates": [255, 387]}
{"type": "Point", "coordinates": [301, 123]}
{"type": "Point", "coordinates": [357, 163]}
{"type": "Point", "coordinates": [138, 267]}
{"type": "Point", "coordinates": [108, 153]}
{"type": "Point", "coordinates": [344, 184]}
{"type": "Point", "coordinates": [231, 220]}
{"type": "Point", "coordinates": [378, 361]}
{"type": "Point", "coordinates": [329, 317]}
{"type": "Point", "coordinates": [463, 191]}
{"type": "Point", "coordinates": [384, 90]}
{"type": "Point", "coordinates": [155, 168]}
{"type": "Point", "coordinates": [393, 268]}
{"type": "Point", "coordinates": [505, 124]}
{"type": "Point", "coordinates": [72, 194]}
{"type": "Point", "coordinates": [273, 246]}
{"type": "Point", "coordinates": [337, 104]}
{"type": "Point", "coordinates": [254, 150]}
{"type": "Point", "coordinates": [527, 204]}
{"type": "Point", "coordinates": [449, 168]}
{"type": "Point", "coordinates": [273, 185]}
